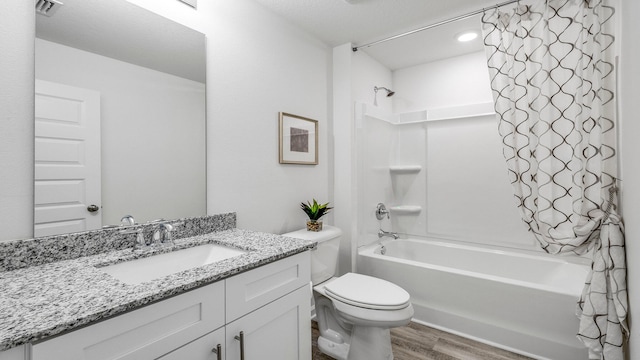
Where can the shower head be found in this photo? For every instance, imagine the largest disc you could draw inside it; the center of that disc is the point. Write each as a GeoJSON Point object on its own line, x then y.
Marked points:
{"type": "Point", "coordinates": [390, 92]}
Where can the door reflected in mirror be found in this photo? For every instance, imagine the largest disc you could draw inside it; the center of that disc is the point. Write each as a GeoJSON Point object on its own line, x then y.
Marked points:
{"type": "Point", "coordinates": [120, 117]}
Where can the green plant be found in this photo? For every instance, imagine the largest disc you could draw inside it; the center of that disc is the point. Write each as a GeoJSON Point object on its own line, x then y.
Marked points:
{"type": "Point", "coordinates": [315, 211]}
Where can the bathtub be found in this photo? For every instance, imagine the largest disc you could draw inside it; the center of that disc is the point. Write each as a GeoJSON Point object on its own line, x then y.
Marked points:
{"type": "Point", "coordinates": [516, 301]}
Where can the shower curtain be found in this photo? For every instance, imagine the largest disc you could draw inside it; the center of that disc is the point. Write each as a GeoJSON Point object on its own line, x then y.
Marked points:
{"type": "Point", "coordinates": [552, 73]}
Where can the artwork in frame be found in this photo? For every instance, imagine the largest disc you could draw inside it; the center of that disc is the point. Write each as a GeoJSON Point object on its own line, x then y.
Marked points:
{"type": "Point", "coordinates": [298, 140]}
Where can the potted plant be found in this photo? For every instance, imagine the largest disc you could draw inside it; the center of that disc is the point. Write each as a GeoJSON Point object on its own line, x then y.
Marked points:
{"type": "Point", "coordinates": [315, 211]}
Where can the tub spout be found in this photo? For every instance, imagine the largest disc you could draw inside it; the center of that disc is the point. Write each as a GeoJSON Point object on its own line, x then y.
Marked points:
{"type": "Point", "coordinates": [382, 233]}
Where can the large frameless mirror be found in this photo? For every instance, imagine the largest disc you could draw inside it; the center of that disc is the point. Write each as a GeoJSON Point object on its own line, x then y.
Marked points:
{"type": "Point", "coordinates": [120, 117]}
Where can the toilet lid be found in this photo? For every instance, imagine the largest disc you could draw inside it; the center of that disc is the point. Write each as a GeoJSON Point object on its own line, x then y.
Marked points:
{"type": "Point", "coordinates": [367, 292]}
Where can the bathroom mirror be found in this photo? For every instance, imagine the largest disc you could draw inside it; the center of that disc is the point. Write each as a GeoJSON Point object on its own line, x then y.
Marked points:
{"type": "Point", "coordinates": [141, 77]}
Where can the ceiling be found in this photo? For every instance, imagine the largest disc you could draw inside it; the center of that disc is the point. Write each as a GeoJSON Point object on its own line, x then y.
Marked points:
{"type": "Point", "coordinates": [337, 22]}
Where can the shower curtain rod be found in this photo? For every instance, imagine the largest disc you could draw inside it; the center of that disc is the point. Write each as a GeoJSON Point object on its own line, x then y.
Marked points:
{"type": "Point", "coordinates": [461, 17]}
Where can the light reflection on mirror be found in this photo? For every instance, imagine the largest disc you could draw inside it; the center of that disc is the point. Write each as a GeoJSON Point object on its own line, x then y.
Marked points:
{"type": "Point", "coordinates": [149, 76]}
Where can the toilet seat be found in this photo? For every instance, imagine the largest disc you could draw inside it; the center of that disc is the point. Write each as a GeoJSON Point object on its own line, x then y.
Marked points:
{"type": "Point", "coordinates": [367, 292]}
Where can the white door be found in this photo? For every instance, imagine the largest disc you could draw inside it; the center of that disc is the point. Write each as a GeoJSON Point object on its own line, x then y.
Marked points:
{"type": "Point", "coordinates": [67, 159]}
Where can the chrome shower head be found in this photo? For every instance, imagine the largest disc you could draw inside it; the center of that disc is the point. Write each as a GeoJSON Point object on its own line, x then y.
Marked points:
{"type": "Point", "coordinates": [390, 92]}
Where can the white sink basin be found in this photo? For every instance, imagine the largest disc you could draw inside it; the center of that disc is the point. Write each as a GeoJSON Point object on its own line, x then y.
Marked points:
{"type": "Point", "coordinates": [157, 266]}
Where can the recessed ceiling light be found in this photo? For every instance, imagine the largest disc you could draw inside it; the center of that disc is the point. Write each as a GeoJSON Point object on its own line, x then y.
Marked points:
{"type": "Point", "coordinates": [467, 36]}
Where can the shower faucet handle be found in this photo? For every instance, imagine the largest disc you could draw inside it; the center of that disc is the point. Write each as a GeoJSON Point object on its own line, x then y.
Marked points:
{"type": "Point", "coordinates": [381, 211]}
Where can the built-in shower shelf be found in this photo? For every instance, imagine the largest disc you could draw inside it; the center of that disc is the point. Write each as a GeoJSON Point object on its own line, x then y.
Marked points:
{"type": "Point", "coordinates": [406, 209]}
{"type": "Point", "coordinates": [405, 169]}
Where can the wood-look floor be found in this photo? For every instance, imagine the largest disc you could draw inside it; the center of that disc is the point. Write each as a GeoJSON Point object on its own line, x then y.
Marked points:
{"type": "Point", "coordinates": [419, 342]}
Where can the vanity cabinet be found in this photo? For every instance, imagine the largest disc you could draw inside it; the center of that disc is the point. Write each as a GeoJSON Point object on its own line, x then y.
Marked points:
{"type": "Point", "coordinates": [268, 305]}
{"type": "Point", "coordinates": [145, 333]}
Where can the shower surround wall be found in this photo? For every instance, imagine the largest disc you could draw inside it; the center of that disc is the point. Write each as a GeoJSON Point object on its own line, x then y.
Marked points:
{"type": "Point", "coordinates": [439, 170]}
{"type": "Point", "coordinates": [440, 178]}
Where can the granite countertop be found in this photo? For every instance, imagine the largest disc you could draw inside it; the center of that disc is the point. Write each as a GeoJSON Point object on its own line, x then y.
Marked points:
{"type": "Point", "coordinates": [45, 300]}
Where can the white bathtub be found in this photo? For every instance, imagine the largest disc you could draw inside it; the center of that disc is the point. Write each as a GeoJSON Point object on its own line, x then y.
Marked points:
{"type": "Point", "coordinates": [519, 302]}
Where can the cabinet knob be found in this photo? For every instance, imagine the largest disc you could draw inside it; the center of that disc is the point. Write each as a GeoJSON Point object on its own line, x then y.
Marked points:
{"type": "Point", "coordinates": [241, 339]}
{"type": "Point", "coordinates": [218, 351]}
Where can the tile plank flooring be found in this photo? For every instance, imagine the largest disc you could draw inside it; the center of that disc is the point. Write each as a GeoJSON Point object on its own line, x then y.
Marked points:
{"type": "Point", "coordinates": [419, 342]}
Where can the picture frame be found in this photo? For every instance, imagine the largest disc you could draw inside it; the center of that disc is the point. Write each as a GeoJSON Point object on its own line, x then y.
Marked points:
{"type": "Point", "coordinates": [298, 140]}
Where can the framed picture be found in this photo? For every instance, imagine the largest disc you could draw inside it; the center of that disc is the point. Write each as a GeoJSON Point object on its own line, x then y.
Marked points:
{"type": "Point", "coordinates": [298, 140]}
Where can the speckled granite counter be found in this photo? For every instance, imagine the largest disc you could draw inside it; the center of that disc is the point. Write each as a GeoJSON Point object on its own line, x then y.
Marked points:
{"type": "Point", "coordinates": [48, 299]}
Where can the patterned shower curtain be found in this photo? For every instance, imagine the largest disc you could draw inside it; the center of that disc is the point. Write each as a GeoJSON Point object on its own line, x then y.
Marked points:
{"type": "Point", "coordinates": [552, 73]}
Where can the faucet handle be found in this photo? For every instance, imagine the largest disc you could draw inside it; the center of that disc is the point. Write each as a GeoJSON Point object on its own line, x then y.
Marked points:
{"type": "Point", "coordinates": [140, 241]}
{"type": "Point", "coordinates": [381, 211]}
{"type": "Point", "coordinates": [140, 238]}
{"type": "Point", "coordinates": [167, 236]}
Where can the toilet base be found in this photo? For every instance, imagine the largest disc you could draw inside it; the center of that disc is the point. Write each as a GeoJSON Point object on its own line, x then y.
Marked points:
{"type": "Point", "coordinates": [367, 343]}
{"type": "Point", "coordinates": [336, 351]}
{"type": "Point", "coordinates": [370, 343]}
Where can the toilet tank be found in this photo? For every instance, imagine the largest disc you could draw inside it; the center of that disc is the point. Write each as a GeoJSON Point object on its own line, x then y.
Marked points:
{"type": "Point", "coordinates": [325, 257]}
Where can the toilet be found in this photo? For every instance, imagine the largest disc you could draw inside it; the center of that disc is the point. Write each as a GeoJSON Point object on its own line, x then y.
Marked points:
{"type": "Point", "coordinates": [354, 312]}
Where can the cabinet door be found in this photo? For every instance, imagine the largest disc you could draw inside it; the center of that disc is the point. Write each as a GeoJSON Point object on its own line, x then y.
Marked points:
{"type": "Point", "coordinates": [200, 349]}
{"type": "Point", "coordinates": [279, 330]}
{"type": "Point", "coordinates": [145, 333]}
{"type": "Point", "coordinates": [252, 289]}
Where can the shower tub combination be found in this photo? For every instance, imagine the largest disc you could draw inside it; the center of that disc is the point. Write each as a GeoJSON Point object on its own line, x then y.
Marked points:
{"type": "Point", "coordinates": [519, 302]}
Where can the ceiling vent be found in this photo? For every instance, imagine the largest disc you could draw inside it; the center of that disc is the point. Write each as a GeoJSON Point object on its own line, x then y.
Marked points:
{"type": "Point", "coordinates": [47, 7]}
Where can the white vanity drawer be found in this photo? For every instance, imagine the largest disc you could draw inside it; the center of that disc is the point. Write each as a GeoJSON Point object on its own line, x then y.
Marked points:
{"type": "Point", "coordinates": [145, 333]}
{"type": "Point", "coordinates": [255, 288]}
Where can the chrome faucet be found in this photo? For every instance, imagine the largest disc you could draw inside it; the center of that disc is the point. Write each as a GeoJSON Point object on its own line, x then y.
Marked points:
{"type": "Point", "coordinates": [391, 234]}
{"type": "Point", "coordinates": [163, 234]}
{"type": "Point", "coordinates": [127, 220]}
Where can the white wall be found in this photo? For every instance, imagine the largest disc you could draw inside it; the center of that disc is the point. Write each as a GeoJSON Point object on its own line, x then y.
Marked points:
{"type": "Point", "coordinates": [344, 176]}
{"type": "Point", "coordinates": [152, 133]}
{"type": "Point", "coordinates": [460, 80]}
{"type": "Point", "coordinates": [261, 66]}
{"type": "Point", "coordinates": [630, 150]}
{"type": "Point", "coordinates": [366, 73]}
{"type": "Point", "coordinates": [17, 31]}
